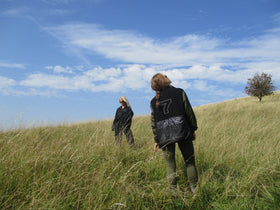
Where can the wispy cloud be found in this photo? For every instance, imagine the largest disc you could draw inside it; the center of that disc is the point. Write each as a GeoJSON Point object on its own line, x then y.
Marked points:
{"type": "Point", "coordinates": [276, 17]}
{"type": "Point", "coordinates": [60, 69]}
{"type": "Point", "coordinates": [59, 12]}
{"type": "Point", "coordinates": [57, 82]}
{"type": "Point", "coordinates": [95, 80]}
{"type": "Point", "coordinates": [12, 65]}
{"type": "Point", "coordinates": [209, 59]}
{"type": "Point", "coordinates": [61, 2]}
{"type": "Point", "coordinates": [207, 79]}
{"type": "Point", "coordinates": [15, 12]}
{"type": "Point", "coordinates": [6, 82]}
{"type": "Point", "coordinates": [127, 46]}
{"type": "Point", "coordinates": [57, 1]}
{"type": "Point", "coordinates": [200, 62]}
{"type": "Point", "coordinates": [135, 77]}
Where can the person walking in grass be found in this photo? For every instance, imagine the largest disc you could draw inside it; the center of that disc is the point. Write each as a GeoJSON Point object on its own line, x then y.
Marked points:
{"type": "Point", "coordinates": [173, 121]}
{"type": "Point", "coordinates": [122, 122]}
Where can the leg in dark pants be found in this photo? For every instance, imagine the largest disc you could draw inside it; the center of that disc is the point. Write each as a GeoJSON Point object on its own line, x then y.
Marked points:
{"type": "Point", "coordinates": [187, 151]}
{"type": "Point", "coordinates": [118, 135]}
{"type": "Point", "coordinates": [169, 155]}
{"type": "Point", "coordinates": [129, 135]}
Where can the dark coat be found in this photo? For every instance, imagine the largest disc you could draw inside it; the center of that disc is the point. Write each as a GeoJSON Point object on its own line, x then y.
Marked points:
{"type": "Point", "coordinates": [123, 118]}
{"type": "Point", "coordinates": [174, 119]}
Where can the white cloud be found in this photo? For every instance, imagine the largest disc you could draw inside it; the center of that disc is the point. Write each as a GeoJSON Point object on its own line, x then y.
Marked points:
{"type": "Point", "coordinates": [207, 58]}
{"type": "Point", "coordinates": [59, 69]}
{"type": "Point", "coordinates": [99, 74]}
{"type": "Point", "coordinates": [60, 12]}
{"type": "Point", "coordinates": [15, 12]}
{"type": "Point", "coordinates": [127, 46]}
{"type": "Point", "coordinates": [6, 82]}
{"type": "Point", "coordinates": [57, 82]}
{"type": "Point", "coordinates": [191, 61]}
{"type": "Point", "coordinates": [57, 1]}
{"type": "Point", "coordinates": [276, 17]}
{"type": "Point", "coordinates": [134, 77]}
{"type": "Point", "coordinates": [61, 2]}
{"type": "Point", "coordinates": [97, 79]}
{"type": "Point", "coordinates": [12, 65]}
{"type": "Point", "coordinates": [182, 84]}
{"type": "Point", "coordinates": [267, 67]}
{"type": "Point", "coordinates": [201, 85]}
{"type": "Point", "coordinates": [138, 77]}
{"type": "Point", "coordinates": [35, 92]}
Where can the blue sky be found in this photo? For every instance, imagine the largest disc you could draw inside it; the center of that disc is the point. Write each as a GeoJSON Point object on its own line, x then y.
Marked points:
{"type": "Point", "coordinates": [65, 61]}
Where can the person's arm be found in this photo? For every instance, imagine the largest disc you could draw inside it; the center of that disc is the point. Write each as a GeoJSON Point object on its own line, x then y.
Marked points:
{"type": "Point", "coordinates": [154, 130]}
{"type": "Point", "coordinates": [115, 120]}
{"type": "Point", "coordinates": [153, 124]}
{"type": "Point", "coordinates": [189, 112]}
{"type": "Point", "coordinates": [127, 118]}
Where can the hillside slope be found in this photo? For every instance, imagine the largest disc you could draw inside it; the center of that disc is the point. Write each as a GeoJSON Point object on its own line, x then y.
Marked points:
{"type": "Point", "coordinates": [79, 166]}
{"type": "Point", "coordinates": [238, 147]}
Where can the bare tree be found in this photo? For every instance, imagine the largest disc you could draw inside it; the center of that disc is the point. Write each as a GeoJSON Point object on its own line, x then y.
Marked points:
{"type": "Point", "coordinates": [260, 86]}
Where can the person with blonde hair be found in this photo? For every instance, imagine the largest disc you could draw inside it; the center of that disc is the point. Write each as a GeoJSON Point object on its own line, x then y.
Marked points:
{"type": "Point", "coordinates": [173, 121]}
{"type": "Point", "coordinates": [122, 121]}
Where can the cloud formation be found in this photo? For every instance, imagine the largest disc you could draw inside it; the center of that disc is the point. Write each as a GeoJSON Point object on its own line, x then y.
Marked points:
{"type": "Point", "coordinates": [11, 65]}
{"type": "Point", "coordinates": [6, 82]}
{"type": "Point", "coordinates": [188, 50]}
{"type": "Point", "coordinates": [134, 77]}
{"type": "Point", "coordinates": [200, 62]}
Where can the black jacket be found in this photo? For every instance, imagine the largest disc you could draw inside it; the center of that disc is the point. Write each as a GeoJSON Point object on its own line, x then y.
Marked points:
{"type": "Point", "coordinates": [174, 119]}
{"type": "Point", "coordinates": [123, 118]}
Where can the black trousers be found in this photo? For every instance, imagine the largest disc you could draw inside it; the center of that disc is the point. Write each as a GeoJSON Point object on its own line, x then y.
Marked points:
{"type": "Point", "coordinates": [128, 133]}
{"type": "Point", "coordinates": [187, 151]}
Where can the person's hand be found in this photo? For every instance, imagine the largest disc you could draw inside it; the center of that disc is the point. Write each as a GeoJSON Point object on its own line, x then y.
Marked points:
{"type": "Point", "coordinates": [155, 147]}
{"type": "Point", "coordinates": [194, 136]}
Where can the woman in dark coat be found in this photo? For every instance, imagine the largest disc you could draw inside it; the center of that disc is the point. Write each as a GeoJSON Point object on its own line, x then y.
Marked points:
{"type": "Point", "coordinates": [173, 121]}
{"type": "Point", "coordinates": [122, 122]}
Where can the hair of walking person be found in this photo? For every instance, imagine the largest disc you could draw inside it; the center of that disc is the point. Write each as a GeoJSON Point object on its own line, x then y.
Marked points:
{"type": "Point", "coordinates": [158, 83]}
{"type": "Point", "coordinates": [123, 98]}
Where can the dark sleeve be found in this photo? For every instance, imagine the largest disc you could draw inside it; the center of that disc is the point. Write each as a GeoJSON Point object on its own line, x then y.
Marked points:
{"type": "Point", "coordinates": [153, 124]}
{"type": "Point", "coordinates": [189, 111]}
{"type": "Point", "coordinates": [116, 119]}
{"type": "Point", "coordinates": [114, 122]}
{"type": "Point", "coordinates": [127, 117]}
{"type": "Point", "coordinates": [131, 113]}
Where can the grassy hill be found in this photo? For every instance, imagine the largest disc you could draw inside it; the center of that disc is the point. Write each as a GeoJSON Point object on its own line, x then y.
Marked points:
{"type": "Point", "coordinates": [80, 167]}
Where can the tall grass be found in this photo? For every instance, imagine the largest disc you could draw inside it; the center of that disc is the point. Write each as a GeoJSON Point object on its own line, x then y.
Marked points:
{"type": "Point", "coordinates": [81, 167]}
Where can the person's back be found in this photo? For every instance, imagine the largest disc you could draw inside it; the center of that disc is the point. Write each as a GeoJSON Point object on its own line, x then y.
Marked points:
{"type": "Point", "coordinates": [173, 121]}
{"type": "Point", "coordinates": [170, 117]}
{"type": "Point", "coordinates": [171, 104]}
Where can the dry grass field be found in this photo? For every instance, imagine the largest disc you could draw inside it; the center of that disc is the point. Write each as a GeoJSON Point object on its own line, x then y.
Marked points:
{"type": "Point", "coordinates": [80, 166]}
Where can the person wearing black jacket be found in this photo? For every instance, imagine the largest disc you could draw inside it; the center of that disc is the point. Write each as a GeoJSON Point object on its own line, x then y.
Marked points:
{"type": "Point", "coordinates": [173, 121]}
{"type": "Point", "coordinates": [122, 122]}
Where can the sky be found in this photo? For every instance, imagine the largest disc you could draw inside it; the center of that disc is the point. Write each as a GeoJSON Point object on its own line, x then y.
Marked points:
{"type": "Point", "coordinates": [69, 61]}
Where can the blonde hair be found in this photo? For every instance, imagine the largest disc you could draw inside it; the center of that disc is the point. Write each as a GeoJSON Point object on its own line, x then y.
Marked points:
{"type": "Point", "coordinates": [158, 83]}
{"type": "Point", "coordinates": [123, 98]}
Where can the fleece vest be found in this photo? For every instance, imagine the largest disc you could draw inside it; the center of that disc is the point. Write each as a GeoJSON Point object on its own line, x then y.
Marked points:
{"type": "Point", "coordinates": [170, 117]}
{"type": "Point", "coordinates": [171, 104]}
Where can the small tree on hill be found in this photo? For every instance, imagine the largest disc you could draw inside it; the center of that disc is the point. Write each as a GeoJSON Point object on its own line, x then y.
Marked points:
{"type": "Point", "coordinates": [260, 86]}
